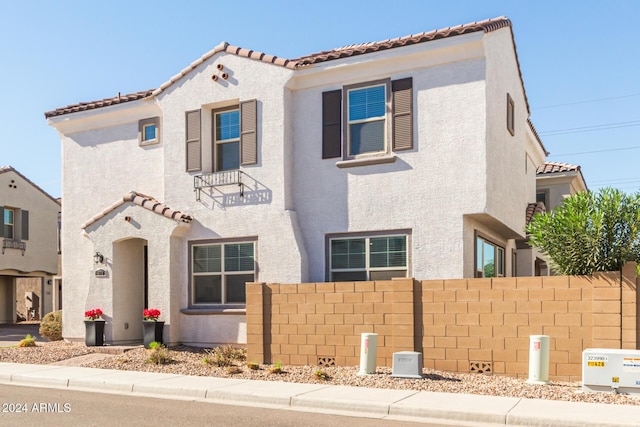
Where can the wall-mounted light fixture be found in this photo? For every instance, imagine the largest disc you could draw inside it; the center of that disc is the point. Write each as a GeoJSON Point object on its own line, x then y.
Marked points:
{"type": "Point", "coordinates": [98, 258]}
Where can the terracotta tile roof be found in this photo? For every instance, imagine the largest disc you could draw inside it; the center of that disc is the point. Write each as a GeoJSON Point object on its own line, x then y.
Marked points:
{"type": "Point", "coordinates": [5, 169]}
{"type": "Point", "coordinates": [486, 26]}
{"type": "Point", "coordinates": [343, 52]}
{"type": "Point", "coordinates": [83, 106]}
{"type": "Point", "coordinates": [144, 201]}
{"type": "Point", "coordinates": [556, 167]}
{"type": "Point", "coordinates": [534, 209]}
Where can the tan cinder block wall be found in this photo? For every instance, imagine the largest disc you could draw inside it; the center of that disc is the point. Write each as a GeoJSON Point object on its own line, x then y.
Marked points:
{"type": "Point", "coordinates": [299, 323]}
{"type": "Point", "coordinates": [454, 323]}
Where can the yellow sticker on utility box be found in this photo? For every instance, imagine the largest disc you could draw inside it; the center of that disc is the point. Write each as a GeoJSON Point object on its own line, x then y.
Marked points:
{"type": "Point", "coordinates": [595, 363]}
{"type": "Point", "coordinates": [597, 360]}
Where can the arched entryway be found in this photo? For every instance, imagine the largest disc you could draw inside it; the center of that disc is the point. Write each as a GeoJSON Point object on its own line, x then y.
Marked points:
{"type": "Point", "coordinates": [129, 278]}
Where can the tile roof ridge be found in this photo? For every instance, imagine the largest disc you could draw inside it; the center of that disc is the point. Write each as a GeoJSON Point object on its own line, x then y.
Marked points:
{"type": "Point", "coordinates": [144, 201]}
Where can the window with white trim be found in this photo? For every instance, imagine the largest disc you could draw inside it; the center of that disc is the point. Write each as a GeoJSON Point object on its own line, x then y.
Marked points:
{"type": "Point", "coordinates": [367, 124]}
{"type": "Point", "coordinates": [9, 218]}
{"type": "Point", "coordinates": [226, 138]}
{"type": "Point", "coordinates": [149, 131]}
{"type": "Point", "coordinates": [489, 259]}
{"type": "Point", "coordinates": [368, 258]}
{"type": "Point", "coordinates": [220, 271]}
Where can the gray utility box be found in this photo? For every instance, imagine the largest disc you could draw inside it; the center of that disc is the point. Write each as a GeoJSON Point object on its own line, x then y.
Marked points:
{"type": "Point", "coordinates": [606, 369]}
{"type": "Point", "coordinates": [407, 364]}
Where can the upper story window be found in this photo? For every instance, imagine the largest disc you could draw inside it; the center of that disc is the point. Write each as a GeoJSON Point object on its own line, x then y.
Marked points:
{"type": "Point", "coordinates": [368, 118]}
{"type": "Point", "coordinates": [234, 137]}
{"type": "Point", "coordinates": [489, 259]}
{"type": "Point", "coordinates": [227, 139]}
{"type": "Point", "coordinates": [149, 131]}
{"type": "Point", "coordinates": [510, 115]}
{"type": "Point", "coordinates": [9, 215]}
{"type": "Point", "coordinates": [220, 272]}
{"type": "Point", "coordinates": [541, 196]}
{"type": "Point", "coordinates": [368, 258]}
{"type": "Point", "coordinates": [15, 223]}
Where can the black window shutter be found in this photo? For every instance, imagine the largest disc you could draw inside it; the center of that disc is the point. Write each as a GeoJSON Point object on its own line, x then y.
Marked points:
{"type": "Point", "coordinates": [2, 222]}
{"type": "Point", "coordinates": [402, 114]}
{"type": "Point", "coordinates": [331, 124]}
{"type": "Point", "coordinates": [193, 144]}
{"type": "Point", "coordinates": [25, 226]}
{"type": "Point", "coordinates": [249, 132]}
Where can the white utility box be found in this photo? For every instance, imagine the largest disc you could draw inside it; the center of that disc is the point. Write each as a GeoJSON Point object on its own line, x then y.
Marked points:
{"type": "Point", "coordinates": [606, 369]}
{"type": "Point", "coordinates": [407, 364]}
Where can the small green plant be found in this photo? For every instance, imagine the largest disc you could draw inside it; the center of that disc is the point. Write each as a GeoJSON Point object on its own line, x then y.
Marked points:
{"type": "Point", "coordinates": [254, 366]}
{"type": "Point", "coordinates": [225, 356]}
{"type": "Point", "coordinates": [51, 326]}
{"type": "Point", "coordinates": [321, 375]}
{"type": "Point", "coordinates": [276, 368]}
{"type": "Point", "coordinates": [158, 354]}
{"type": "Point", "coordinates": [28, 341]}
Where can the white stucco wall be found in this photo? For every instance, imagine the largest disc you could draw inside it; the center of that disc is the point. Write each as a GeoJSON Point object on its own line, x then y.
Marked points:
{"type": "Point", "coordinates": [510, 185]}
{"type": "Point", "coordinates": [427, 189]}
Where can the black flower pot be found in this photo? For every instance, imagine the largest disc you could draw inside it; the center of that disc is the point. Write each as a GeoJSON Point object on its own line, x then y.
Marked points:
{"type": "Point", "coordinates": [151, 331]}
{"type": "Point", "coordinates": [94, 332]}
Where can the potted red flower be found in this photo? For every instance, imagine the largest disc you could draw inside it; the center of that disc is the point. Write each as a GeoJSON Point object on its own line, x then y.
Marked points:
{"type": "Point", "coordinates": [152, 328]}
{"type": "Point", "coordinates": [94, 327]}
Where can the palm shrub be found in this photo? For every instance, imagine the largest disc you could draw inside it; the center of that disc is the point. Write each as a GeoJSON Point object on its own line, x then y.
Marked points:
{"type": "Point", "coordinates": [51, 326]}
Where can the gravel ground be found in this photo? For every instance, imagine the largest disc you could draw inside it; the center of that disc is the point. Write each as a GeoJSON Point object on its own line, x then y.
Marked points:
{"type": "Point", "coordinates": [189, 361]}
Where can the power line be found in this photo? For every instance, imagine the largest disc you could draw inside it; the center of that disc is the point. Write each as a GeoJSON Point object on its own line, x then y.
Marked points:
{"type": "Point", "coordinates": [605, 126]}
{"type": "Point", "coordinates": [585, 102]}
{"type": "Point", "coordinates": [595, 151]}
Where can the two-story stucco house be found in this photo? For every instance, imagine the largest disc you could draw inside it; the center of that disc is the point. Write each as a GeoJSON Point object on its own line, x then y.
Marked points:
{"type": "Point", "coordinates": [29, 245]}
{"type": "Point", "coordinates": [411, 157]}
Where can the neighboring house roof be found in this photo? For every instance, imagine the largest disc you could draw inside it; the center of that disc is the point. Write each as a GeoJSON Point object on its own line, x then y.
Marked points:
{"type": "Point", "coordinates": [5, 169]}
{"type": "Point", "coordinates": [486, 26]}
{"type": "Point", "coordinates": [144, 201]}
{"type": "Point", "coordinates": [534, 209]}
{"type": "Point", "coordinates": [556, 167]}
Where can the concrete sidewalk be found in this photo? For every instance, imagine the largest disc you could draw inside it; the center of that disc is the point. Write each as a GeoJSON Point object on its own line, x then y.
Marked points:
{"type": "Point", "coordinates": [409, 405]}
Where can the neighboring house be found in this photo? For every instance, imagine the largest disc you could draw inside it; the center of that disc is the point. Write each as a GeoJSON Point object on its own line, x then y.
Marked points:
{"type": "Point", "coordinates": [555, 181]}
{"type": "Point", "coordinates": [29, 258]}
{"type": "Point", "coordinates": [411, 157]}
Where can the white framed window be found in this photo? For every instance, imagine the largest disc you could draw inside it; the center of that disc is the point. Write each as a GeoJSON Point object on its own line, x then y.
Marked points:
{"type": "Point", "coordinates": [489, 259]}
{"type": "Point", "coordinates": [368, 258]}
{"type": "Point", "coordinates": [149, 131]}
{"type": "Point", "coordinates": [226, 136]}
{"type": "Point", "coordinates": [366, 121]}
{"type": "Point", "coordinates": [219, 272]}
{"type": "Point", "coordinates": [9, 223]}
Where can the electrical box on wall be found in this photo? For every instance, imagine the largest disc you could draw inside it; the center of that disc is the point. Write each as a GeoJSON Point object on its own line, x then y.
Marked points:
{"type": "Point", "coordinates": [612, 370]}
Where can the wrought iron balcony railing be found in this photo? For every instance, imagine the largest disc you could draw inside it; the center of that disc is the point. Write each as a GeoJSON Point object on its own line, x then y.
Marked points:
{"type": "Point", "coordinates": [217, 179]}
{"type": "Point", "coordinates": [13, 244]}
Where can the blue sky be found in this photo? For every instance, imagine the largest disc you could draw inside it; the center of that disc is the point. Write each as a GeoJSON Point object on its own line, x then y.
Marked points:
{"type": "Point", "coordinates": [579, 62]}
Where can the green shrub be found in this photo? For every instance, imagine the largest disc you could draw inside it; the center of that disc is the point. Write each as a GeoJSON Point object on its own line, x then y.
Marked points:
{"type": "Point", "coordinates": [51, 326]}
{"type": "Point", "coordinates": [321, 375]}
{"type": "Point", "coordinates": [28, 341]}
{"type": "Point", "coordinates": [158, 354]}
{"type": "Point", "coordinates": [225, 356]}
{"type": "Point", "coordinates": [254, 366]}
{"type": "Point", "coordinates": [276, 368]}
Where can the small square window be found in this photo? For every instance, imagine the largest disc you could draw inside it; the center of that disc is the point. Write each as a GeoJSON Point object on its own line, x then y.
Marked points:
{"type": "Point", "coordinates": [149, 131]}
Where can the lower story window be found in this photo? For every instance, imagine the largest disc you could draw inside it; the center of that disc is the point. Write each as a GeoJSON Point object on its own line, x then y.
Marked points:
{"type": "Point", "coordinates": [368, 258]}
{"type": "Point", "coordinates": [489, 259]}
{"type": "Point", "coordinates": [220, 271]}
